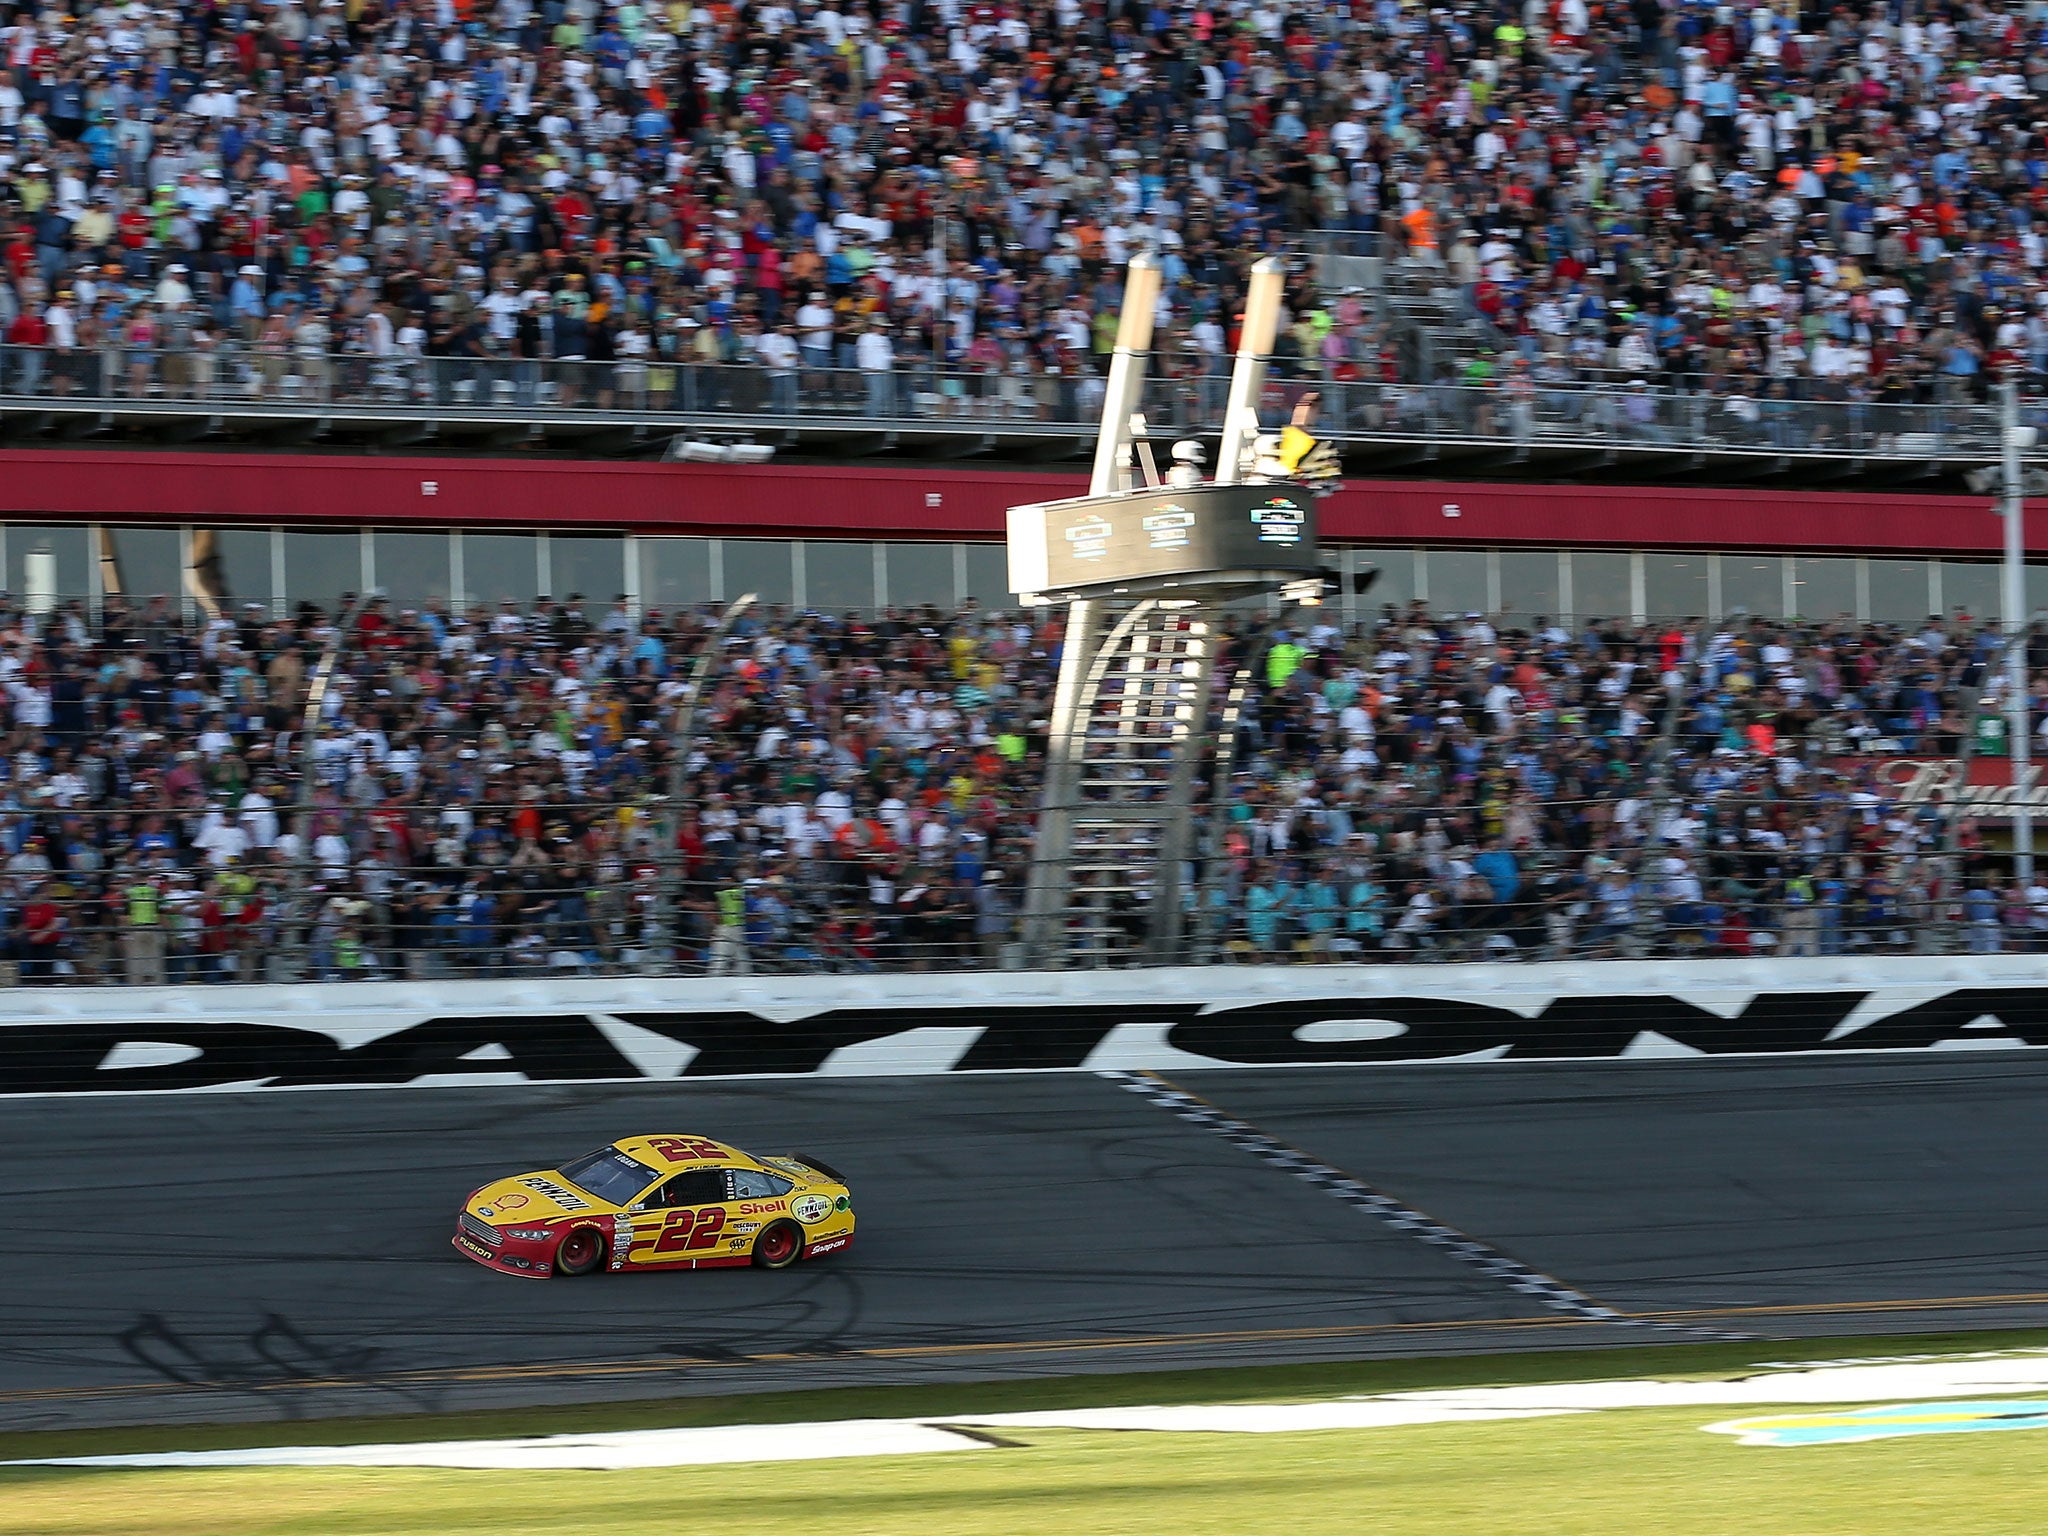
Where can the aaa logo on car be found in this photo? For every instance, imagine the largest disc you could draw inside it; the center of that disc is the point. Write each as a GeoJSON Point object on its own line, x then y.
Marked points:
{"type": "Point", "coordinates": [811, 1208]}
{"type": "Point", "coordinates": [1852, 1426]}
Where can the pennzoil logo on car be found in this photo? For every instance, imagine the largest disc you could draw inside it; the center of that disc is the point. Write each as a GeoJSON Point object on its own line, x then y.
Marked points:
{"type": "Point", "coordinates": [566, 1198]}
{"type": "Point", "coordinates": [810, 1209]}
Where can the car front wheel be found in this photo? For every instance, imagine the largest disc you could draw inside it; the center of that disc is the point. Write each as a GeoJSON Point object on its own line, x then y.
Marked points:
{"type": "Point", "coordinates": [580, 1252]}
{"type": "Point", "coordinates": [780, 1244]}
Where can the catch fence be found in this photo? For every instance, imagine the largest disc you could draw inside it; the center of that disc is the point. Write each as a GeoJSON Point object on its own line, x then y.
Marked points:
{"type": "Point", "coordinates": [214, 896]}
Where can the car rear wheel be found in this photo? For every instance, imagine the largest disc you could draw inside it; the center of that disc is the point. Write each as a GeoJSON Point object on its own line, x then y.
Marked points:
{"type": "Point", "coordinates": [780, 1245]}
{"type": "Point", "coordinates": [580, 1252]}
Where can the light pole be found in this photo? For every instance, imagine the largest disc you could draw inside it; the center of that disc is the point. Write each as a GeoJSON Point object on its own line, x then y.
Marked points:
{"type": "Point", "coordinates": [683, 738]}
{"type": "Point", "coordinates": [317, 689]}
{"type": "Point", "coordinates": [2018, 732]}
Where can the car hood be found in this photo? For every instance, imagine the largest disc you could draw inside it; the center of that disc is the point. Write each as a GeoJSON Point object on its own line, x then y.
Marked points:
{"type": "Point", "coordinates": [541, 1196]}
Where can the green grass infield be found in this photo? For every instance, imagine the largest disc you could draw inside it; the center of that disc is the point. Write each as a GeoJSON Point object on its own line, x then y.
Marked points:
{"type": "Point", "coordinates": [1644, 1472]}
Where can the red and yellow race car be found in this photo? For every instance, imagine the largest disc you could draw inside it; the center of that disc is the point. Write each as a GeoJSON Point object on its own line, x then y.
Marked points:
{"type": "Point", "coordinates": [658, 1202]}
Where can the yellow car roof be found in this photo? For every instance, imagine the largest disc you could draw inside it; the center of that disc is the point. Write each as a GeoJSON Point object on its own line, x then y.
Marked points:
{"type": "Point", "coordinates": [671, 1152]}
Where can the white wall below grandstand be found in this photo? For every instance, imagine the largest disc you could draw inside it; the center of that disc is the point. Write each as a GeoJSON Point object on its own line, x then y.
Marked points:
{"type": "Point", "coordinates": [478, 1032]}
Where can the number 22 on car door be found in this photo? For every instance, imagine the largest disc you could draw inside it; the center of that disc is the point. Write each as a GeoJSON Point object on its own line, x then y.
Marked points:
{"type": "Point", "coordinates": [692, 1210]}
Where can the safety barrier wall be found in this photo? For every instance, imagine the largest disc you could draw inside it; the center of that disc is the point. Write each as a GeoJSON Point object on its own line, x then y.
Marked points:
{"type": "Point", "coordinates": [629, 1029]}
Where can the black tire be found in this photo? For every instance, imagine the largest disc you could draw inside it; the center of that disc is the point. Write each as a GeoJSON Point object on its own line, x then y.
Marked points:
{"type": "Point", "coordinates": [780, 1245]}
{"type": "Point", "coordinates": [580, 1252]}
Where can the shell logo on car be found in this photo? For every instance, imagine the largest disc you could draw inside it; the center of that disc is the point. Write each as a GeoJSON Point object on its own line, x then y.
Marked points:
{"type": "Point", "coordinates": [658, 1202]}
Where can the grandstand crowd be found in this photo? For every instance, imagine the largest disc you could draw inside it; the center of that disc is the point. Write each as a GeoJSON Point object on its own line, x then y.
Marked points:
{"type": "Point", "coordinates": [517, 788]}
{"type": "Point", "coordinates": [1828, 202]}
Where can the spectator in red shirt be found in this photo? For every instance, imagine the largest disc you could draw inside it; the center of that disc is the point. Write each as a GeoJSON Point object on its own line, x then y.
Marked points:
{"type": "Point", "coordinates": [43, 925]}
{"type": "Point", "coordinates": [27, 336]}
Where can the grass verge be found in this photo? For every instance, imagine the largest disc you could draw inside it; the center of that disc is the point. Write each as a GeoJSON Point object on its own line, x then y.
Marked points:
{"type": "Point", "coordinates": [1633, 1472]}
{"type": "Point", "coordinates": [1239, 1384]}
{"type": "Point", "coordinates": [1625, 1473]}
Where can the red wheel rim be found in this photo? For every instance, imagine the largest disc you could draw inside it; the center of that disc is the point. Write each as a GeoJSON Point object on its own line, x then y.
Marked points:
{"type": "Point", "coordinates": [577, 1248]}
{"type": "Point", "coordinates": [776, 1245]}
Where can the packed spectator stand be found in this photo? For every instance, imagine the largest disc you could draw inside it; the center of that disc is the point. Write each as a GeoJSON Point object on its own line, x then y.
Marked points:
{"type": "Point", "coordinates": [1764, 203]}
{"type": "Point", "coordinates": [1737, 207]}
{"type": "Point", "coordinates": [495, 791]}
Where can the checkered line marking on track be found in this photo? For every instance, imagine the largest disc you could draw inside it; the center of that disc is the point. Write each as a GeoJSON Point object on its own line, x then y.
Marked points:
{"type": "Point", "coordinates": [1545, 1290]}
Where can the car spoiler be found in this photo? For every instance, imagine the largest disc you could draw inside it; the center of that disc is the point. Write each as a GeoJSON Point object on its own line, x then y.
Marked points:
{"type": "Point", "coordinates": [821, 1165]}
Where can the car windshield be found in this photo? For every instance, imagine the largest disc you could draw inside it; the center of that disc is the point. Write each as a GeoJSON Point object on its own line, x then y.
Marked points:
{"type": "Point", "coordinates": [608, 1174]}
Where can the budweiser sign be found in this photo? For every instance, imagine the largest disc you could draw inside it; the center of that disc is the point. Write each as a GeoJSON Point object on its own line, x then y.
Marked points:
{"type": "Point", "coordinates": [1983, 787]}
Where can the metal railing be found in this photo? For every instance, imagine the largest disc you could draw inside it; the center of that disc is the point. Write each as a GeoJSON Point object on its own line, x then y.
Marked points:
{"type": "Point", "coordinates": [1185, 395]}
{"type": "Point", "coordinates": [1620, 417]}
{"type": "Point", "coordinates": [1356, 244]}
{"type": "Point", "coordinates": [235, 377]}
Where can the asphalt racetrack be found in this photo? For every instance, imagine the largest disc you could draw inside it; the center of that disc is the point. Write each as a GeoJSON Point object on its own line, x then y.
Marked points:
{"type": "Point", "coordinates": [285, 1255]}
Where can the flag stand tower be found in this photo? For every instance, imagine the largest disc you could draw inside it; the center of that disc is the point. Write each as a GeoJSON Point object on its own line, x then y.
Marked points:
{"type": "Point", "coordinates": [1145, 568]}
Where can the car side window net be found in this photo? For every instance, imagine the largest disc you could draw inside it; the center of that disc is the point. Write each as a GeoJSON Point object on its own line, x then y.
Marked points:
{"type": "Point", "coordinates": [703, 1186]}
